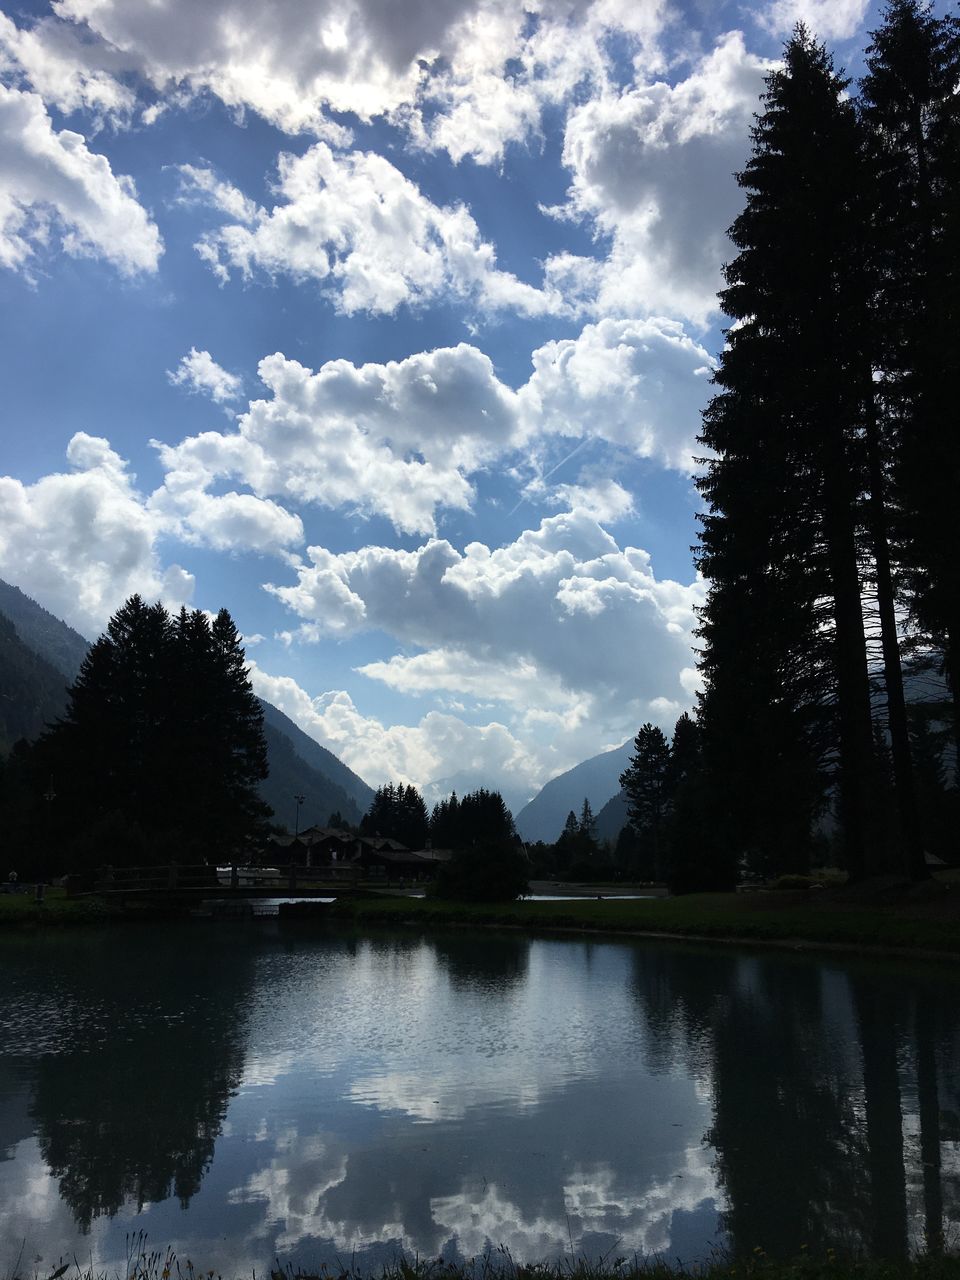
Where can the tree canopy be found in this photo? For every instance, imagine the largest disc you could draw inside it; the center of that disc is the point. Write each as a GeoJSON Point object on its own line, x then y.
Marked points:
{"type": "Point", "coordinates": [821, 440]}
{"type": "Point", "coordinates": [163, 737]}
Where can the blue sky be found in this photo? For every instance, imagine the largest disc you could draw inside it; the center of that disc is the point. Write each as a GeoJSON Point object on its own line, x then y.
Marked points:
{"type": "Point", "coordinates": [386, 326]}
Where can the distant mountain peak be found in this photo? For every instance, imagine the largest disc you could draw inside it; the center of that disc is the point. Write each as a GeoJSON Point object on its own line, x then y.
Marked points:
{"type": "Point", "coordinates": [597, 779]}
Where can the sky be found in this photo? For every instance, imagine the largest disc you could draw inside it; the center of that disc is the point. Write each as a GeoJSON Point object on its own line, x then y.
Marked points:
{"type": "Point", "coordinates": [386, 325]}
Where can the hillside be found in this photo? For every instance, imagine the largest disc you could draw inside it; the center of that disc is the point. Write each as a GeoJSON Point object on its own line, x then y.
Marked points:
{"type": "Point", "coordinates": [55, 642]}
{"type": "Point", "coordinates": [301, 766]}
{"type": "Point", "coordinates": [612, 818]}
{"type": "Point", "coordinates": [40, 656]}
{"type": "Point", "coordinates": [32, 692]}
{"type": "Point", "coordinates": [597, 778]}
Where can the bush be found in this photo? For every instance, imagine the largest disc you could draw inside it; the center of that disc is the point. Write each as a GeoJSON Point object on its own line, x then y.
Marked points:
{"type": "Point", "coordinates": [491, 872]}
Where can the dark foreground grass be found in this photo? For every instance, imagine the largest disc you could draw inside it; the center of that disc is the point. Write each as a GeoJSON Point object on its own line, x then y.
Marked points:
{"type": "Point", "coordinates": [895, 919]}
{"type": "Point", "coordinates": [829, 919]}
{"type": "Point", "coordinates": [498, 1265]}
{"type": "Point", "coordinates": [22, 911]}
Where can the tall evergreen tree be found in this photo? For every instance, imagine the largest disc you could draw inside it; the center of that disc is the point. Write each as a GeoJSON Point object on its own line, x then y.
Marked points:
{"type": "Point", "coordinates": [587, 823]}
{"type": "Point", "coordinates": [911, 105]}
{"type": "Point", "coordinates": [644, 780]}
{"type": "Point", "coordinates": [480, 817]}
{"type": "Point", "coordinates": [788, 465]}
{"type": "Point", "coordinates": [162, 736]}
{"type": "Point", "coordinates": [399, 812]}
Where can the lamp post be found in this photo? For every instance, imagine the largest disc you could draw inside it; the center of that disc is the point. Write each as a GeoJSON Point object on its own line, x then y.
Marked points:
{"type": "Point", "coordinates": [292, 869]}
{"type": "Point", "coordinates": [49, 796]}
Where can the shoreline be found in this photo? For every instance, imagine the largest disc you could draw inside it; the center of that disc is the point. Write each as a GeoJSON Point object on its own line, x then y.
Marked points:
{"type": "Point", "coordinates": [925, 927]}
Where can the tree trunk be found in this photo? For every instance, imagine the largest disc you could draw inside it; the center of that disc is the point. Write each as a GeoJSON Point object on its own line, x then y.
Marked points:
{"type": "Point", "coordinates": [853, 685]}
{"type": "Point", "coordinates": [929, 1107]}
{"type": "Point", "coordinates": [911, 836]}
{"type": "Point", "coordinates": [881, 1096]}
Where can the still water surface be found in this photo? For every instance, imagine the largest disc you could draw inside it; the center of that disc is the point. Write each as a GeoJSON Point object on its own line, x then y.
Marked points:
{"type": "Point", "coordinates": [246, 1092]}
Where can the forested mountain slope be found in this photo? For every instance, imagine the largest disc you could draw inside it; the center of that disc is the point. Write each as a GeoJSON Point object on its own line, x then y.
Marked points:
{"type": "Point", "coordinates": [597, 779]}
{"type": "Point", "coordinates": [40, 656]}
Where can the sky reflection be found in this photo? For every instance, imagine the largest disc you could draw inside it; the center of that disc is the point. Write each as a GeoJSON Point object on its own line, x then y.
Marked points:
{"type": "Point", "coordinates": [322, 1097]}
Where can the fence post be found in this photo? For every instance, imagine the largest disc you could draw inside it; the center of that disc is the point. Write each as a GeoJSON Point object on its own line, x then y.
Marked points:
{"type": "Point", "coordinates": [172, 876]}
{"type": "Point", "coordinates": [234, 877]}
{"type": "Point", "coordinates": [292, 877]}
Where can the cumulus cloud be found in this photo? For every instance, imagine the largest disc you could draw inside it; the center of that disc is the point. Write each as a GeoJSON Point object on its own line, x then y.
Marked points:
{"type": "Point", "coordinates": [437, 745]}
{"type": "Point", "coordinates": [828, 19]}
{"type": "Point", "coordinates": [402, 439]}
{"type": "Point", "coordinates": [347, 437]}
{"type": "Point", "coordinates": [354, 223]}
{"type": "Point", "coordinates": [563, 51]}
{"type": "Point", "coordinates": [53, 186]}
{"type": "Point", "coordinates": [640, 161]}
{"type": "Point", "coordinates": [604, 500]}
{"type": "Point", "coordinates": [641, 384]}
{"type": "Point", "coordinates": [84, 540]}
{"type": "Point", "coordinates": [467, 76]}
{"type": "Point", "coordinates": [70, 73]}
{"type": "Point", "coordinates": [290, 63]}
{"type": "Point", "coordinates": [562, 627]}
{"type": "Point", "coordinates": [199, 372]}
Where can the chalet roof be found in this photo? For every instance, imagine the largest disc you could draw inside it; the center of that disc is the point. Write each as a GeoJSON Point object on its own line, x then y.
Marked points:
{"type": "Point", "coordinates": [409, 858]}
{"type": "Point", "coordinates": [434, 855]}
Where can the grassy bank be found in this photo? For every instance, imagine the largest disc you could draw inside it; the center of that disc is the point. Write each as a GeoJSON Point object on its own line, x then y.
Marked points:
{"type": "Point", "coordinates": [885, 916]}
{"type": "Point", "coordinates": [493, 1266]}
{"type": "Point", "coordinates": [841, 917]}
{"type": "Point", "coordinates": [22, 911]}
{"type": "Point", "coordinates": [757, 1267]}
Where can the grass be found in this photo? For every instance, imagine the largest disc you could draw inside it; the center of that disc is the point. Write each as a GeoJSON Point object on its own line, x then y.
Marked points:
{"type": "Point", "coordinates": [143, 1265]}
{"type": "Point", "coordinates": [892, 919]}
{"type": "Point", "coordinates": [831, 918]}
{"type": "Point", "coordinates": [22, 911]}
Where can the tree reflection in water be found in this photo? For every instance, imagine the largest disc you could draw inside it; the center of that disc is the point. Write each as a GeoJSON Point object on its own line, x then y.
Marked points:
{"type": "Point", "coordinates": [808, 1064]}
{"type": "Point", "coordinates": [133, 1113]}
{"type": "Point", "coordinates": [473, 963]}
{"type": "Point", "coordinates": [483, 1087]}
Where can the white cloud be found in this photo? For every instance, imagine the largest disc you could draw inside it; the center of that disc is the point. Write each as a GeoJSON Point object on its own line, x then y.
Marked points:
{"type": "Point", "coordinates": [826, 19]}
{"type": "Point", "coordinates": [402, 439]}
{"type": "Point", "coordinates": [572, 637]}
{"type": "Point", "coordinates": [348, 437]}
{"type": "Point", "coordinates": [199, 372]}
{"type": "Point", "coordinates": [227, 522]}
{"type": "Point", "coordinates": [51, 186]}
{"type": "Point", "coordinates": [66, 71]}
{"type": "Point", "coordinates": [641, 161]}
{"type": "Point", "coordinates": [357, 225]}
{"type": "Point", "coordinates": [468, 76]}
{"type": "Point", "coordinates": [639, 383]}
{"type": "Point", "coordinates": [482, 108]}
{"type": "Point", "coordinates": [436, 746]}
{"type": "Point", "coordinates": [289, 62]}
{"type": "Point", "coordinates": [83, 541]}
{"type": "Point", "coordinates": [604, 500]}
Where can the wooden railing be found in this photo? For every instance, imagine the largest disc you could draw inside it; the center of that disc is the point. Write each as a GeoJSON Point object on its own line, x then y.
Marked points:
{"type": "Point", "coordinates": [192, 879]}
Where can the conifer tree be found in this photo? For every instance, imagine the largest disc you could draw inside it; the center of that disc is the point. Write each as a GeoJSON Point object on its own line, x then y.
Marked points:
{"type": "Point", "coordinates": [788, 469]}
{"type": "Point", "coordinates": [397, 811]}
{"type": "Point", "coordinates": [587, 824]}
{"type": "Point", "coordinates": [163, 737]}
{"type": "Point", "coordinates": [910, 104]}
{"type": "Point", "coordinates": [644, 780]}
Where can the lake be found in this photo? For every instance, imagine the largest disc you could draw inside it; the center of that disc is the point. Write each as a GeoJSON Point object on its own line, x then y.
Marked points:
{"type": "Point", "coordinates": [244, 1092]}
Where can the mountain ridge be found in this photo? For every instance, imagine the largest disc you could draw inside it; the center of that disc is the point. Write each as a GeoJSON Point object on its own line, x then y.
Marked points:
{"type": "Point", "coordinates": [597, 779]}
{"type": "Point", "coordinates": [41, 654]}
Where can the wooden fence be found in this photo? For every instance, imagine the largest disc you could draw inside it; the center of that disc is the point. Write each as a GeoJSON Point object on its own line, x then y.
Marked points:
{"type": "Point", "coordinates": [203, 879]}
